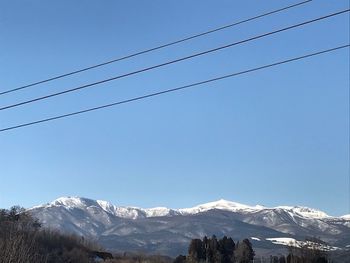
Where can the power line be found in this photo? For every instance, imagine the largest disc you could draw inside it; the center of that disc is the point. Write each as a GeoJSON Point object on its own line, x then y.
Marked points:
{"type": "Point", "coordinates": [155, 48]}
{"type": "Point", "coordinates": [175, 89]}
{"type": "Point", "coordinates": [172, 61]}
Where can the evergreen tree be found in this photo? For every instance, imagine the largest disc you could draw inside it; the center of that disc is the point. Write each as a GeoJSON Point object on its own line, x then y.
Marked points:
{"type": "Point", "coordinates": [274, 259]}
{"type": "Point", "coordinates": [195, 251]}
{"type": "Point", "coordinates": [244, 252]}
{"type": "Point", "coordinates": [282, 259]}
{"type": "Point", "coordinates": [180, 259]}
{"type": "Point", "coordinates": [206, 248]}
{"type": "Point", "coordinates": [214, 254]}
{"type": "Point", "coordinates": [226, 248]}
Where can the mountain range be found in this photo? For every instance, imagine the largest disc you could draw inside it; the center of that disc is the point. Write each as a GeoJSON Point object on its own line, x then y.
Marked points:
{"type": "Point", "coordinates": [168, 231]}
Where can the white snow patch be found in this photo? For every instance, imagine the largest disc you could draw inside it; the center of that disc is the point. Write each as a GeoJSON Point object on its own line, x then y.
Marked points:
{"type": "Point", "coordinates": [305, 211]}
{"type": "Point", "coordinates": [256, 238]}
{"type": "Point", "coordinates": [157, 211]}
{"type": "Point", "coordinates": [221, 205]}
{"type": "Point", "coordinates": [286, 241]}
{"type": "Point", "coordinates": [346, 217]}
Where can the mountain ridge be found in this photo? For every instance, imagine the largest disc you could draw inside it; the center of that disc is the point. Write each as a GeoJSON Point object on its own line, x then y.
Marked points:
{"type": "Point", "coordinates": [167, 231]}
{"type": "Point", "coordinates": [221, 204]}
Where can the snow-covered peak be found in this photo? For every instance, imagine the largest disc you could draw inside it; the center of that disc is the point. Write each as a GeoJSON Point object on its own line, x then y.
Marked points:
{"type": "Point", "coordinates": [305, 211]}
{"type": "Point", "coordinates": [123, 212]}
{"type": "Point", "coordinates": [120, 211]}
{"type": "Point", "coordinates": [346, 217]}
{"type": "Point", "coordinates": [220, 205]}
{"type": "Point", "coordinates": [159, 211]}
{"type": "Point", "coordinates": [106, 205]}
{"type": "Point", "coordinates": [67, 202]}
{"type": "Point", "coordinates": [72, 202]}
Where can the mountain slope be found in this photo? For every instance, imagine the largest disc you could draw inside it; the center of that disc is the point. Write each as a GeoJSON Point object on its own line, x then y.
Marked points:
{"type": "Point", "coordinates": [168, 231]}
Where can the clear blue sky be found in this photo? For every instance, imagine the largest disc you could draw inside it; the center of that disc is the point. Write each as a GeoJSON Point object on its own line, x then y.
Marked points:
{"type": "Point", "coordinates": [274, 137]}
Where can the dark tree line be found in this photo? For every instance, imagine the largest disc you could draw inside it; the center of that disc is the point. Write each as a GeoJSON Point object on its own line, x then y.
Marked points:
{"type": "Point", "coordinates": [212, 250]}
{"type": "Point", "coordinates": [22, 240]}
{"type": "Point", "coordinates": [276, 259]}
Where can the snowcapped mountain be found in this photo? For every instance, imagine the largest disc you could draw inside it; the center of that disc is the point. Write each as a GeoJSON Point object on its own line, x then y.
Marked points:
{"type": "Point", "coordinates": [136, 212]}
{"type": "Point", "coordinates": [71, 203]}
{"type": "Point", "coordinates": [220, 205]}
{"type": "Point", "coordinates": [168, 231]}
{"type": "Point", "coordinates": [305, 211]}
